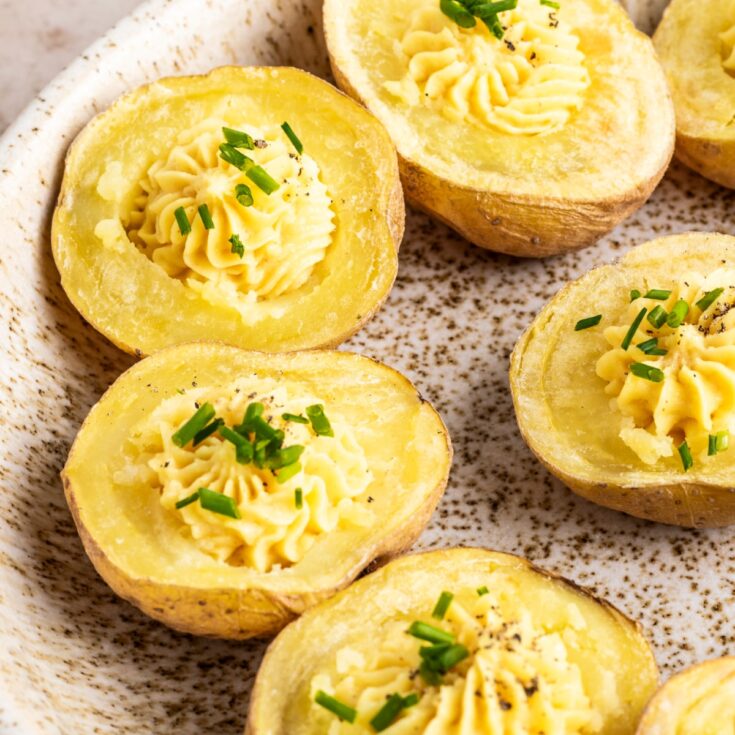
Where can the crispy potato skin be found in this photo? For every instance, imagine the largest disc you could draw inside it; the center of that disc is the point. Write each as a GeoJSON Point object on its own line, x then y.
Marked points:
{"type": "Point", "coordinates": [665, 709]}
{"type": "Point", "coordinates": [446, 567]}
{"type": "Point", "coordinates": [681, 500]}
{"type": "Point", "coordinates": [254, 610]}
{"type": "Point", "coordinates": [518, 224]}
{"type": "Point", "coordinates": [129, 331]}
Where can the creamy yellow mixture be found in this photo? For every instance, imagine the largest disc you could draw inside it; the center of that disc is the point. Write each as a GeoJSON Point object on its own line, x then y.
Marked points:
{"type": "Point", "coordinates": [272, 531]}
{"type": "Point", "coordinates": [727, 39]}
{"type": "Point", "coordinates": [711, 714]}
{"type": "Point", "coordinates": [519, 679]}
{"type": "Point", "coordinates": [531, 81]}
{"type": "Point", "coordinates": [696, 397]}
{"type": "Point", "coordinates": [285, 234]}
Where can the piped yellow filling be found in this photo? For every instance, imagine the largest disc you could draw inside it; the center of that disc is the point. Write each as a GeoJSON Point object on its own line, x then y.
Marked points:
{"type": "Point", "coordinates": [711, 714]}
{"type": "Point", "coordinates": [519, 678]}
{"type": "Point", "coordinates": [696, 397]}
{"type": "Point", "coordinates": [274, 529]}
{"type": "Point", "coordinates": [529, 82]}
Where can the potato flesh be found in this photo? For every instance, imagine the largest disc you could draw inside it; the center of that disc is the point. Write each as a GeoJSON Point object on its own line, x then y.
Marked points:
{"type": "Point", "coordinates": [272, 531]}
{"type": "Point", "coordinates": [696, 398]}
{"type": "Point", "coordinates": [520, 679]}
{"type": "Point", "coordinates": [529, 82]}
{"type": "Point", "coordinates": [713, 713]}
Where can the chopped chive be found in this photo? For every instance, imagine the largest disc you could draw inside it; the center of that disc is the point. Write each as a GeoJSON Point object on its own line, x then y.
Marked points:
{"type": "Point", "coordinates": [719, 442]}
{"type": "Point", "coordinates": [294, 418]}
{"type": "Point", "coordinates": [551, 4]}
{"type": "Point", "coordinates": [253, 411]}
{"type": "Point", "coordinates": [648, 345]}
{"type": "Point", "coordinates": [493, 8]}
{"type": "Point", "coordinates": [285, 474]}
{"type": "Point", "coordinates": [658, 316]}
{"type": "Point", "coordinates": [647, 372]}
{"type": "Point", "coordinates": [194, 425]}
{"type": "Point", "coordinates": [678, 314]}
{"type": "Point", "coordinates": [343, 711]}
{"type": "Point", "coordinates": [411, 700]}
{"type": "Point", "coordinates": [590, 321]}
{"type": "Point", "coordinates": [244, 453]}
{"type": "Point", "coordinates": [297, 144]}
{"type": "Point", "coordinates": [233, 156]}
{"type": "Point", "coordinates": [712, 445]}
{"type": "Point", "coordinates": [658, 294]}
{"type": "Point", "coordinates": [429, 674]}
{"type": "Point", "coordinates": [426, 632]}
{"type": "Point", "coordinates": [299, 498]}
{"type": "Point", "coordinates": [388, 713]}
{"type": "Point", "coordinates": [709, 298]}
{"type": "Point", "coordinates": [218, 503]}
{"type": "Point", "coordinates": [452, 656]}
{"type": "Point", "coordinates": [482, 591]}
{"type": "Point", "coordinates": [237, 245]}
{"type": "Point", "coordinates": [207, 431]}
{"type": "Point", "coordinates": [686, 456]}
{"type": "Point", "coordinates": [183, 221]}
{"type": "Point", "coordinates": [633, 329]}
{"type": "Point", "coordinates": [284, 457]}
{"type": "Point", "coordinates": [455, 11]}
{"type": "Point", "coordinates": [493, 24]}
{"type": "Point", "coordinates": [238, 139]}
{"type": "Point", "coordinates": [442, 605]}
{"type": "Point", "coordinates": [319, 421]}
{"type": "Point", "coordinates": [244, 195]}
{"type": "Point", "coordinates": [262, 179]}
{"type": "Point", "coordinates": [206, 217]}
{"type": "Point", "coordinates": [188, 501]}
{"type": "Point", "coordinates": [232, 436]}
{"type": "Point", "coordinates": [635, 294]}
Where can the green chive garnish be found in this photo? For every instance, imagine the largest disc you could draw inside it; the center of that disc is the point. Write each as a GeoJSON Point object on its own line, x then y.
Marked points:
{"type": "Point", "coordinates": [218, 503]}
{"type": "Point", "coordinates": [297, 144]}
{"type": "Point", "coordinates": [712, 445]}
{"type": "Point", "coordinates": [238, 139]}
{"type": "Point", "coordinates": [686, 457]}
{"type": "Point", "coordinates": [262, 179]}
{"type": "Point", "coordinates": [481, 591]}
{"type": "Point", "coordinates": [442, 605]}
{"type": "Point", "coordinates": [455, 11]}
{"type": "Point", "coordinates": [319, 421]}
{"type": "Point", "coordinates": [658, 294]}
{"type": "Point", "coordinates": [194, 425]}
{"type": "Point", "coordinates": [294, 418]}
{"type": "Point", "coordinates": [183, 221]}
{"type": "Point", "coordinates": [207, 431]}
{"type": "Point", "coordinates": [650, 347]}
{"type": "Point", "coordinates": [299, 498]}
{"type": "Point", "coordinates": [635, 294]}
{"type": "Point", "coordinates": [411, 700]}
{"type": "Point", "coordinates": [709, 298]}
{"type": "Point", "coordinates": [678, 314]}
{"type": "Point", "coordinates": [658, 316]}
{"type": "Point", "coordinates": [426, 632]}
{"type": "Point", "coordinates": [718, 442]}
{"type": "Point", "coordinates": [188, 501]}
{"type": "Point", "coordinates": [243, 195]}
{"type": "Point", "coordinates": [336, 707]}
{"type": "Point", "coordinates": [647, 372]}
{"type": "Point", "coordinates": [551, 4]}
{"type": "Point", "coordinates": [633, 329]}
{"type": "Point", "coordinates": [230, 154]}
{"type": "Point", "coordinates": [452, 656]}
{"type": "Point", "coordinates": [285, 474]}
{"type": "Point", "coordinates": [590, 321]}
{"type": "Point", "coordinates": [237, 245]}
{"type": "Point", "coordinates": [206, 217]}
{"type": "Point", "coordinates": [439, 658]}
{"type": "Point", "coordinates": [284, 457]}
{"type": "Point", "coordinates": [388, 713]}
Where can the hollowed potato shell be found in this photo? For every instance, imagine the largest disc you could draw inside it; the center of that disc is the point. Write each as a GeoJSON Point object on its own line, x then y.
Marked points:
{"type": "Point", "coordinates": [136, 546]}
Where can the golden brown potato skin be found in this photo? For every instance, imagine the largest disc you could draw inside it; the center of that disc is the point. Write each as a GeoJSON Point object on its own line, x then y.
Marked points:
{"type": "Point", "coordinates": [699, 498]}
{"type": "Point", "coordinates": [254, 604]}
{"type": "Point", "coordinates": [278, 695]}
{"type": "Point", "coordinates": [704, 93]}
{"type": "Point", "coordinates": [518, 222]}
{"type": "Point", "coordinates": [670, 704]}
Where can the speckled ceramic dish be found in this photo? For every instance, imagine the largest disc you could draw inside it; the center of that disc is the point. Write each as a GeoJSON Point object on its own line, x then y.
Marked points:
{"type": "Point", "coordinates": [76, 659]}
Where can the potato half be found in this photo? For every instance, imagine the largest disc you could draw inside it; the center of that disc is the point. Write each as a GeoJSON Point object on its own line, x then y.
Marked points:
{"type": "Point", "coordinates": [652, 440]}
{"type": "Point", "coordinates": [278, 544]}
{"type": "Point", "coordinates": [541, 654]}
{"type": "Point", "coordinates": [696, 45]}
{"type": "Point", "coordinates": [162, 236]}
{"type": "Point", "coordinates": [533, 144]}
{"type": "Point", "coordinates": [698, 701]}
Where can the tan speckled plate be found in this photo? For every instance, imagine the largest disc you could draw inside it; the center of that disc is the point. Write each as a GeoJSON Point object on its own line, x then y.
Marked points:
{"type": "Point", "coordinates": [74, 659]}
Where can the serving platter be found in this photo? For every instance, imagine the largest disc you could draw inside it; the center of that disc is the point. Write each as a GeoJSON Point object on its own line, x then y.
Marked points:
{"type": "Point", "coordinates": [76, 659]}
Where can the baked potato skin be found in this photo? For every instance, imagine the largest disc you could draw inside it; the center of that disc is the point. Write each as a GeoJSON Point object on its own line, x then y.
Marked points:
{"type": "Point", "coordinates": [684, 502]}
{"type": "Point", "coordinates": [239, 613]}
{"type": "Point", "coordinates": [266, 690]}
{"type": "Point", "coordinates": [516, 224]}
{"type": "Point", "coordinates": [663, 712]}
{"type": "Point", "coordinates": [390, 210]}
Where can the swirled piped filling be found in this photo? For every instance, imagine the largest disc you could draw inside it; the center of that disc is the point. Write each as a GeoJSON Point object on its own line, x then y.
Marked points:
{"type": "Point", "coordinates": [671, 369]}
{"type": "Point", "coordinates": [712, 712]}
{"type": "Point", "coordinates": [207, 223]}
{"type": "Point", "coordinates": [478, 665]}
{"type": "Point", "coordinates": [727, 41]}
{"type": "Point", "coordinates": [254, 474]}
{"type": "Point", "coordinates": [530, 81]}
